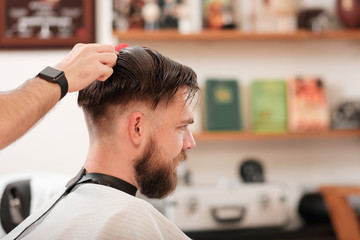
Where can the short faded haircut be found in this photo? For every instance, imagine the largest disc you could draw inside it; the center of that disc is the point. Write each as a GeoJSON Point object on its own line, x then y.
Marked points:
{"type": "Point", "coordinates": [140, 75]}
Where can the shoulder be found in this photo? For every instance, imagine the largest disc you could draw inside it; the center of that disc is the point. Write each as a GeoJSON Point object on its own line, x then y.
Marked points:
{"type": "Point", "coordinates": [142, 220]}
{"type": "Point", "coordinates": [125, 215]}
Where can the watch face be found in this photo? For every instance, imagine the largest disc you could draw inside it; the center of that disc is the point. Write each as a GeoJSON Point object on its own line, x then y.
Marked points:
{"type": "Point", "coordinates": [50, 73]}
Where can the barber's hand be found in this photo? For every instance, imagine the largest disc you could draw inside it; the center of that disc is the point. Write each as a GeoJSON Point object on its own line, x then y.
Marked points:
{"type": "Point", "coordinates": [87, 63]}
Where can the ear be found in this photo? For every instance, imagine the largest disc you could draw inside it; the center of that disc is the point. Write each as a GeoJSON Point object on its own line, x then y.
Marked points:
{"type": "Point", "coordinates": [137, 127]}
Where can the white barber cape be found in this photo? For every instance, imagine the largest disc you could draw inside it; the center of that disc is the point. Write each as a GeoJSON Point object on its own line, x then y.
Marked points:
{"type": "Point", "coordinates": [95, 211]}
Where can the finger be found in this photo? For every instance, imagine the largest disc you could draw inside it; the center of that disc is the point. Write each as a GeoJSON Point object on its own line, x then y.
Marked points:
{"type": "Point", "coordinates": [109, 59]}
{"type": "Point", "coordinates": [106, 73]}
{"type": "Point", "coordinates": [104, 48]}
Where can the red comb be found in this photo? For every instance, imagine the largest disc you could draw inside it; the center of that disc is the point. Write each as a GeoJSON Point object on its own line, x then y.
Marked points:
{"type": "Point", "coordinates": [121, 46]}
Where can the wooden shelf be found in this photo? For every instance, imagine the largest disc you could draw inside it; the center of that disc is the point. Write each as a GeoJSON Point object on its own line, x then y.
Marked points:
{"type": "Point", "coordinates": [245, 136]}
{"type": "Point", "coordinates": [216, 35]}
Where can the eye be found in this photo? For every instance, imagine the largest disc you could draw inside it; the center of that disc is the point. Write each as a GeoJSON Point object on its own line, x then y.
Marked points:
{"type": "Point", "coordinates": [183, 128]}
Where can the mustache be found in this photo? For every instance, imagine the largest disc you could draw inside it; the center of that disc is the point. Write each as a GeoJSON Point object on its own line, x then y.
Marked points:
{"type": "Point", "coordinates": [181, 156]}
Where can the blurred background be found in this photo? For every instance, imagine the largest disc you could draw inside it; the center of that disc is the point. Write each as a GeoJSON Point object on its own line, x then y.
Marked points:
{"type": "Point", "coordinates": [278, 116]}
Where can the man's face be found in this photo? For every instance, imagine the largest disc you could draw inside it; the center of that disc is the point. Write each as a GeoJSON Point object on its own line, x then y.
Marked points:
{"type": "Point", "coordinates": [155, 170]}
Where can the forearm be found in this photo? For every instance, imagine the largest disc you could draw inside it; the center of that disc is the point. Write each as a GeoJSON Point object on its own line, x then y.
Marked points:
{"type": "Point", "coordinates": [24, 107]}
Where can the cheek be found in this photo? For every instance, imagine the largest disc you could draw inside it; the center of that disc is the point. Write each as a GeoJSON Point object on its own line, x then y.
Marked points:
{"type": "Point", "coordinates": [170, 140]}
{"type": "Point", "coordinates": [180, 140]}
{"type": "Point", "coordinates": [175, 143]}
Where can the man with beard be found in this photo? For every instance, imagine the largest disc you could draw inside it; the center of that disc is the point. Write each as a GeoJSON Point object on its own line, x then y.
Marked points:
{"type": "Point", "coordinates": [138, 127]}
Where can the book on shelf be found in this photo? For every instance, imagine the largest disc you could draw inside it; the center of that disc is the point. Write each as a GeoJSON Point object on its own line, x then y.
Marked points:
{"type": "Point", "coordinates": [308, 108]}
{"type": "Point", "coordinates": [222, 105]}
{"type": "Point", "coordinates": [269, 106]}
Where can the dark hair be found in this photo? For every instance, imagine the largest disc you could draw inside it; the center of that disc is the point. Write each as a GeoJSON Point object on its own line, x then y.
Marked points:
{"type": "Point", "coordinates": [140, 74]}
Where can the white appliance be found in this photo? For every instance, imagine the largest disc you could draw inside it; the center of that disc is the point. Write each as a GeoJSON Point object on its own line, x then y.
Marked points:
{"type": "Point", "coordinates": [219, 208]}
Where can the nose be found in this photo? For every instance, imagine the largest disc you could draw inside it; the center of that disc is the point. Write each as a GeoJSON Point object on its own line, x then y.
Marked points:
{"type": "Point", "coordinates": [189, 141]}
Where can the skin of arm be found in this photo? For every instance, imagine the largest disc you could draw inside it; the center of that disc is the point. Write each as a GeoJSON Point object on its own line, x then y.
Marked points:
{"type": "Point", "coordinates": [22, 108]}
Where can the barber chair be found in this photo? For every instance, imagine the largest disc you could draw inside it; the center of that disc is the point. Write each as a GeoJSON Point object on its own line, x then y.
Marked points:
{"type": "Point", "coordinates": [22, 195]}
{"type": "Point", "coordinates": [15, 204]}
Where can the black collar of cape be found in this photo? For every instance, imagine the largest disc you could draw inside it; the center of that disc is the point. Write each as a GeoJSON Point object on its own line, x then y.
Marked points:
{"type": "Point", "coordinates": [102, 179]}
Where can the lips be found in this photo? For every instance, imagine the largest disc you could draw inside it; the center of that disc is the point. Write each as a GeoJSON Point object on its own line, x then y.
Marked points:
{"type": "Point", "coordinates": [180, 157]}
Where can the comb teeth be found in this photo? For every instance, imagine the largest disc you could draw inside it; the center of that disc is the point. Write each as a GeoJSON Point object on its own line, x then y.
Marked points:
{"type": "Point", "coordinates": [121, 46]}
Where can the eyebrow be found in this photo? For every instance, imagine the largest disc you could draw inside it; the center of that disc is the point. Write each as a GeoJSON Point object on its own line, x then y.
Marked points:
{"type": "Point", "coordinates": [187, 121]}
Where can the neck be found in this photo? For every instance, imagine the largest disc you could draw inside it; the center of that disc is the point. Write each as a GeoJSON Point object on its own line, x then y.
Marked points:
{"type": "Point", "coordinates": [109, 159]}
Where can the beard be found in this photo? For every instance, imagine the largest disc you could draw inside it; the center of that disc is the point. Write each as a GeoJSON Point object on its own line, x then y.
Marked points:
{"type": "Point", "coordinates": [155, 175]}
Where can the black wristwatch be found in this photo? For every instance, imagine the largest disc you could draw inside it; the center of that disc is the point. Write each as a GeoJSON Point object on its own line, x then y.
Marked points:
{"type": "Point", "coordinates": [55, 76]}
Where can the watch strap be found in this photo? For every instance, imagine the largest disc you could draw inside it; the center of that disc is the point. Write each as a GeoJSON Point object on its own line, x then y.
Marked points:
{"type": "Point", "coordinates": [62, 81]}
{"type": "Point", "coordinates": [55, 76]}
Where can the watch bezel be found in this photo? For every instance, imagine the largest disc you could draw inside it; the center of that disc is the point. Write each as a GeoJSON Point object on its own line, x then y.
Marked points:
{"type": "Point", "coordinates": [50, 74]}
